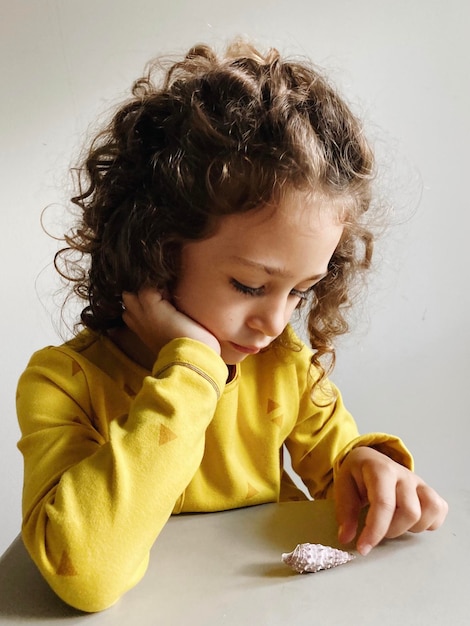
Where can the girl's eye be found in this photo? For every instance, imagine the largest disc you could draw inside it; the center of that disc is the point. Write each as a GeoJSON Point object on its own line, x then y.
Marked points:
{"type": "Point", "coordinates": [259, 291]}
{"type": "Point", "coordinates": [248, 291]}
{"type": "Point", "coordinates": [303, 295]}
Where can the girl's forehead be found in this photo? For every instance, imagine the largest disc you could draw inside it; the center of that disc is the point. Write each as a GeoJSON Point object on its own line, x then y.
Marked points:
{"type": "Point", "coordinates": [295, 214]}
{"type": "Point", "coordinates": [295, 238]}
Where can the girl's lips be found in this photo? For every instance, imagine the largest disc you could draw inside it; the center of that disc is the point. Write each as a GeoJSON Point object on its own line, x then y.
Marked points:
{"type": "Point", "coordinates": [245, 349]}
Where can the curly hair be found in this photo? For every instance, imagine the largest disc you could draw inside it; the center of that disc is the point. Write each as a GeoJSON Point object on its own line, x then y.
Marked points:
{"type": "Point", "coordinates": [204, 137]}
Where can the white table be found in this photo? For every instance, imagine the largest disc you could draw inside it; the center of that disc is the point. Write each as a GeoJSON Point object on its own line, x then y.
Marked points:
{"type": "Point", "coordinates": [225, 569]}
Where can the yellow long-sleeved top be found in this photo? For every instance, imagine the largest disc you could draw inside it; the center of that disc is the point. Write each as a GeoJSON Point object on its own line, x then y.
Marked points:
{"type": "Point", "coordinates": [111, 450]}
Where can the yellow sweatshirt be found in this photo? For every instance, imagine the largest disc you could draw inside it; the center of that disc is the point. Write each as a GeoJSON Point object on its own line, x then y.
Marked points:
{"type": "Point", "coordinates": [111, 450]}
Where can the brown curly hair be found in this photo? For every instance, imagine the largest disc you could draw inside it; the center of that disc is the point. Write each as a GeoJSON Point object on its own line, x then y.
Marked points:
{"type": "Point", "coordinates": [205, 137]}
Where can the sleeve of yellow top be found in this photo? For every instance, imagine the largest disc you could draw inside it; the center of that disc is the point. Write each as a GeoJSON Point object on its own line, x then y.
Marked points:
{"type": "Point", "coordinates": [93, 506]}
{"type": "Point", "coordinates": [391, 446]}
{"type": "Point", "coordinates": [323, 436]}
{"type": "Point", "coordinates": [321, 432]}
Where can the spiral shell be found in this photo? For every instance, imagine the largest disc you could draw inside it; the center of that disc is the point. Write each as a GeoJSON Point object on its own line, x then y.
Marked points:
{"type": "Point", "coordinates": [313, 557]}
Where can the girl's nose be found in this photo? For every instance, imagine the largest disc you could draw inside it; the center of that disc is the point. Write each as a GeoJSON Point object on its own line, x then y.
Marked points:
{"type": "Point", "coordinates": [270, 319]}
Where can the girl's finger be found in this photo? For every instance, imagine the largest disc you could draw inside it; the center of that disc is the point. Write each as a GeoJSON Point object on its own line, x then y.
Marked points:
{"type": "Point", "coordinates": [348, 506]}
{"type": "Point", "coordinates": [408, 509]}
{"type": "Point", "coordinates": [434, 510]}
{"type": "Point", "coordinates": [381, 494]}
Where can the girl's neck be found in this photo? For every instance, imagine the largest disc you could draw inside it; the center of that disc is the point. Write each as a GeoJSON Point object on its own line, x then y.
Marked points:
{"type": "Point", "coordinates": [132, 347]}
{"type": "Point", "coordinates": [232, 370]}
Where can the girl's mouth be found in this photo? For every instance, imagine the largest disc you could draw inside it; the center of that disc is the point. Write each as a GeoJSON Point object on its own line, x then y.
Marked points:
{"type": "Point", "coordinates": [245, 349]}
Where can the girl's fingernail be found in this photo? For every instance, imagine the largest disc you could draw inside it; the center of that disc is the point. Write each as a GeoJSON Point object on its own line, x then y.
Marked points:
{"type": "Point", "coordinates": [365, 549]}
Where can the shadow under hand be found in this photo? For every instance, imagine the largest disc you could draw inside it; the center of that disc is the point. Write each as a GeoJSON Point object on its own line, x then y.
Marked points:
{"type": "Point", "coordinates": [280, 528]}
{"type": "Point", "coordinates": [289, 524]}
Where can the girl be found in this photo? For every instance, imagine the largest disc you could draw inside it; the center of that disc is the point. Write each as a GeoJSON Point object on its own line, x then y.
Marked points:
{"type": "Point", "coordinates": [213, 206]}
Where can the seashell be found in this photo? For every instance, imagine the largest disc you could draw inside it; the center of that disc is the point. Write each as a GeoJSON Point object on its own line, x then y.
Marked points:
{"type": "Point", "coordinates": [313, 557]}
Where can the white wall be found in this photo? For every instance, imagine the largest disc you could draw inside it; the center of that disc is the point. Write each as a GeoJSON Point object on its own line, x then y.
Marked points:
{"type": "Point", "coordinates": [404, 66]}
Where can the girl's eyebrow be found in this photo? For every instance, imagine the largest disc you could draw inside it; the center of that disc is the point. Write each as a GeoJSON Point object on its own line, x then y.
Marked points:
{"type": "Point", "coordinates": [271, 270]}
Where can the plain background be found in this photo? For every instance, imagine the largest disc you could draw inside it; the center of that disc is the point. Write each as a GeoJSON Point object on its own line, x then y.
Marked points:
{"type": "Point", "coordinates": [402, 65]}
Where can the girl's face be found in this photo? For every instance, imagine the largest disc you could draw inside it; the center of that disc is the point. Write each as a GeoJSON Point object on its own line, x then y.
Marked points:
{"type": "Point", "coordinates": [244, 282]}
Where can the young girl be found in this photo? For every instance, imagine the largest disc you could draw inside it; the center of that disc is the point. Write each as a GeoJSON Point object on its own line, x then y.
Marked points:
{"type": "Point", "coordinates": [213, 206]}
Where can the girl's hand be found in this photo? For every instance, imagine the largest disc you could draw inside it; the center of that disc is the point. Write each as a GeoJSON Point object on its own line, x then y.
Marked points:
{"type": "Point", "coordinates": [398, 500]}
{"type": "Point", "coordinates": [156, 321]}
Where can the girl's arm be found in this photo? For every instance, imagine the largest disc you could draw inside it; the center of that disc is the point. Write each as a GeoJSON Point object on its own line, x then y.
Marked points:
{"type": "Point", "coordinates": [325, 432]}
{"type": "Point", "coordinates": [100, 485]}
{"type": "Point", "coordinates": [357, 470]}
